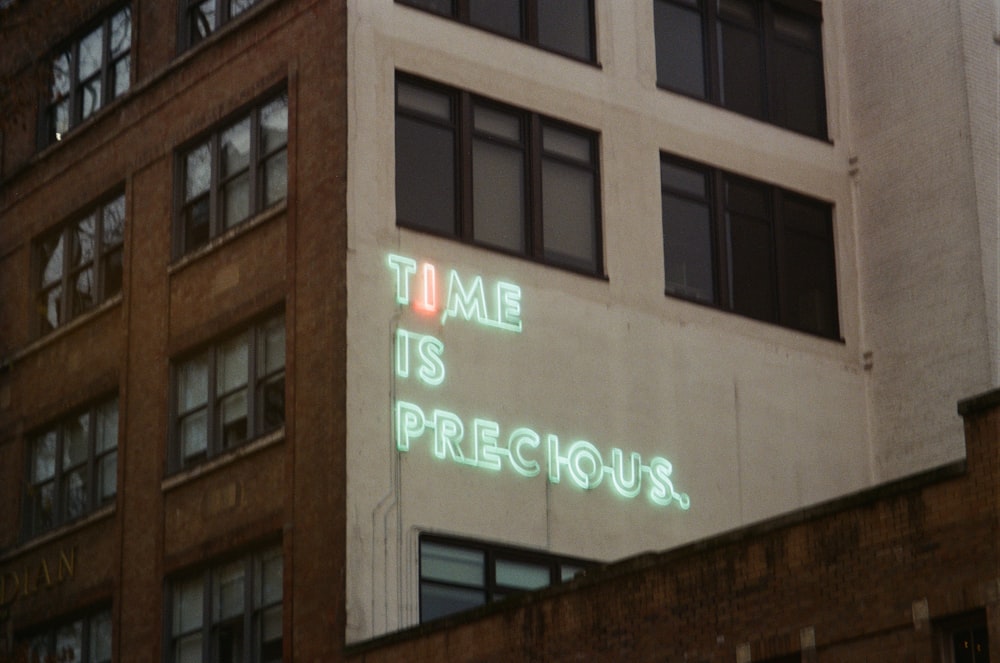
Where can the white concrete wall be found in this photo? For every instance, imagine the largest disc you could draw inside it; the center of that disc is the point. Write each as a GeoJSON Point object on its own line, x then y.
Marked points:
{"type": "Point", "coordinates": [756, 419]}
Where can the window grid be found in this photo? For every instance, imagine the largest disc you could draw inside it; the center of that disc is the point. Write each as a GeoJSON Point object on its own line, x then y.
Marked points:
{"type": "Point", "coordinates": [760, 58]}
{"type": "Point", "coordinates": [462, 582]}
{"type": "Point", "coordinates": [79, 265]}
{"type": "Point", "coordinates": [229, 393]}
{"type": "Point", "coordinates": [89, 73]}
{"type": "Point", "coordinates": [483, 172]}
{"type": "Point", "coordinates": [748, 247]}
{"type": "Point", "coordinates": [229, 612]}
{"type": "Point", "coordinates": [233, 174]}
{"type": "Point", "coordinates": [565, 27]}
{"type": "Point", "coordinates": [200, 18]}
{"type": "Point", "coordinates": [72, 468]}
{"type": "Point", "coordinates": [85, 639]}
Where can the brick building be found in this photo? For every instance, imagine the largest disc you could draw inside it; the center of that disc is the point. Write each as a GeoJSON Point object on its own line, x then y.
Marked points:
{"type": "Point", "coordinates": [322, 319]}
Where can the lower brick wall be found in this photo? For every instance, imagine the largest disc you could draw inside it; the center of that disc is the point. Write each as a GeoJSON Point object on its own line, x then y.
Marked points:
{"type": "Point", "coordinates": [877, 576]}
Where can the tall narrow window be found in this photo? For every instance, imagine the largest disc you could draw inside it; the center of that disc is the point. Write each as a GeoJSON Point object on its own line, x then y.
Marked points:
{"type": "Point", "coordinates": [88, 73]}
{"type": "Point", "coordinates": [748, 247]}
{"type": "Point", "coordinates": [233, 174]}
{"type": "Point", "coordinates": [83, 639]}
{"type": "Point", "coordinates": [496, 176]}
{"type": "Point", "coordinates": [79, 265]}
{"type": "Point", "coordinates": [72, 468]}
{"type": "Point", "coordinates": [561, 26]}
{"type": "Point", "coordinates": [200, 18]}
{"type": "Point", "coordinates": [229, 393]}
{"type": "Point", "coordinates": [760, 58]}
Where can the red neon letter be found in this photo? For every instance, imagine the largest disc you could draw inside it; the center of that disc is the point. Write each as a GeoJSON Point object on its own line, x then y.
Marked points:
{"type": "Point", "coordinates": [428, 298]}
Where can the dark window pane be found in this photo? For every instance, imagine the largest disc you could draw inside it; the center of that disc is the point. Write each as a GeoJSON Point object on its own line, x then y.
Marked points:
{"type": "Point", "coordinates": [809, 276]}
{"type": "Point", "coordinates": [443, 7]}
{"type": "Point", "coordinates": [437, 601]}
{"type": "Point", "coordinates": [196, 229]}
{"type": "Point", "coordinates": [274, 403]}
{"type": "Point", "coordinates": [569, 215]}
{"type": "Point", "coordinates": [452, 564]}
{"type": "Point", "coordinates": [113, 270]}
{"type": "Point", "coordinates": [751, 272]}
{"type": "Point", "coordinates": [201, 21]}
{"type": "Point", "coordinates": [797, 90]}
{"type": "Point", "coordinates": [522, 575]}
{"type": "Point", "coordinates": [503, 16]}
{"type": "Point", "coordinates": [679, 48]}
{"type": "Point", "coordinates": [741, 70]}
{"type": "Point", "coordinates": [680, 178]}
{"type": "Point", "coordinates": [425, 175]}
{"type": "Point", "coordinates": [687, 248]}
{"type": "Point", "coordinates": [235, 200]}
{"type": "Point", "coordinates": [564, 26]}
{"type": "Point", "coordinates": [498, 180]}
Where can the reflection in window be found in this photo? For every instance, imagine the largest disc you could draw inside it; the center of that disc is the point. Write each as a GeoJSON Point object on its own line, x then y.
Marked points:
{"type": "Point", "coordinates": [80, 265]}
{"type": "Point", "coordinates": [85, 639]}
{"type": "Point", "coordinates": [203, 17]}
{"type": "Point", "coordinates": [72, 468]}
{"type": "Point", "coordinates": [89, 73]}
{"type": "Point", "coordinates": [233, 174]}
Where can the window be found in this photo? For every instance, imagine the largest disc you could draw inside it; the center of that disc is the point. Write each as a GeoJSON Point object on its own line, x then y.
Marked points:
{"type": "Point", "coordinates": [86, 639]}
{"type": "Point", "coordinates": [457, 575]}
{"type": "Point", "coordinates": [964, 639]}
{"type": "Point", "coordinates": [89, 73]}
{"type": "Point", "coordinates": [762, 58]}
{"type": "Point", "coordinates": [79, 265]}
{"type": "Point", "coordinates": [200, 18]}
{"type": "Point", "coordinates": [748, 247]}
{"type": "Point", "coordinates": [229, 393]}
{"type": "Point", "coordinates": [233, 174]}
{"type": "Point", "coordinates": [496, 176]}
{"type": "Point", "coordinates": [230, 613]}
{"type": "Point", "coordinates": [72, 468]}
{"type": "Point", "coordinates": [561, 26]}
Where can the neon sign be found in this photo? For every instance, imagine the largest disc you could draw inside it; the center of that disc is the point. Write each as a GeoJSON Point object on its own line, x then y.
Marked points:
{"type": "Point", "coordinates": [482, 443]}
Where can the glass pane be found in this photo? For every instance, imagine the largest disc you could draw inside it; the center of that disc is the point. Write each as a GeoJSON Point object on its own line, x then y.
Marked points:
{"type": "Point", "coordinates": [564, 26]}
{"type": "Point", "coordinates": [113, 222]}
{"type": "Point", "coordinates": [189, 649]}
{"type": "Point", "coordinates": [107, 426]}
{"type": "Point", "coordinates": [275, 178]}
{"type": "Point", "coordinates": [196, 228]}
{"type": "Point", "coordinates": [687, 248]}
{"type": "Point", "coordinates": [228, 642]}
{"type": "Point", "coordinates": [568, 571]}
{"type": "Point", "coordinates": [91, 54]}
{"type": "Point", "coordinates": [84, 292]}
{"type": "Point", "coordinates": [60, 76]}
{"type": "Point", "coordinates": [680, 178]}
{"type": "Point", "coordinates": [43, 457]}
{"type": "Point", "coordinates": [100, 638]}
{"type": "Point", "coordinates": [503, 16]}
{"type": "Point", "coordinates": [271, 635]}
{"type": "Point", "coordinates": [498, 195]}
{"type": "Point", "coordinates": [83, 241]}
{"type": "Point", "coordinates": [69, 642]}
{"type": "Point", "coordinates": [521, 575]}
{"type": "Point", "coordinates": [236, 200]}
{"type": "Point", "coordinates": [274, 403]}
{"type": "Point", "coordinates": [738, 10]}
{"type": "Point", "coordinates": [43, 506]}
{"type": "Point", "coordinates": [443, 7]}
{"type": "Point", "coordinates": [798, 95]}
{"type": "Point", "coordinates": [567, 144]}
{"type": "Point", "coordinates": [228, 596]}
{"type": "Point", "coordinates": [50, 315]}
{"type": "Point", "coordinates": [188, 605]}
{"type": "Point", "coordinates": [121, 31]}
{"type": "Point", "coordinates": [740, 56]}
{"type": "Point", "coordinates": [192, 383]}
{"type": "Point", "coordinates": [59, 120]}
{"type": "Point", "coordinates": [569, 215]}
{"type": "Point", "coordinates": [194, 434]}
{"type": "Point", "coordinates": [234, 147]}
{"type": "Point", "coordinates": [51, 259]}
{"type": "Point", "coordinates": [233, 413]}
{"type": "Point", "coordinates": [436, 601]}
{"type": "Point", "coordinates": [425, 175]}
{"type": "Point", "coordinates": [271, 354]}
{"type": "Point", "coordinates": [233, 367]}
{"type": "Point", "coordinates": [202, 20]}
{"type": "Point", "coordinates": [74, 491]}
{"type": "Point", "coordinates": [237, 7]}
{"type": "Point", "coordinates": [90, 98]}
{"type": "Point", "coordinates": [112, 270]}
{"type": "Point", "coordinates": [680, 52]}
{"type": "Point", "coordinates": [274, 124]}
{"type": "Point", "coordinates": [457, 565]}
{"type": "Point", "coordinates": [498, 123]}
{"type": "Point", "coordinates": [751, 271]}
{"type": "Point", "coordinates": [76, 437]}
{"type": "Point", "coordinates": [198, 171]}
{"type": "Point", "coordinates": [107, 476]}
{"type": "Point", "coordinates": [121, 74]}
{"type": "Point", "coordinates": [428, 102]}
{"type": "Point", "coordinates": [271, 574]}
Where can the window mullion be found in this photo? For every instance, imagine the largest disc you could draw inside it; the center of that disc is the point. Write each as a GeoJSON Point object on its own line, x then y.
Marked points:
{"type": "Point", "coordinates": [463, 10]}
{"type": "Point", "coordinates": [465, 174]}
{"type": "Point", "coordinates": [710, 30]}
{"type": "Point", "coordinates": [767, 42]}
{"type": "Point", "coordinates": [534, 166]}
{"type": "Point", "coordinates": [529, 21]}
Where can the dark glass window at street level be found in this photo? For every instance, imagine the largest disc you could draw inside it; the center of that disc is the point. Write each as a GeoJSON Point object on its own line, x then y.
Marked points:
{"type": "Point", "coordinates": [88, 73]}
{"type": "Point", "coordinates": [79, 265]}
{"type": "Point", "coordinates": [561, 26]}
{"type": "Point", "coordinates": [203, 17]}
{"type": "Point", "coordinates": [761, 58]}
{"type": "Point", "coordinates": [230, 613]}
{"type": "Point", "coordinates": [496, 176]}
{"type": "Point", "coordinates": [229, 393]}
{"type": "Point", "coordinates": [748, 247]}
{"type": "Point", "coordinates": [234, 173]}
{"type": "Point", "coordinates": [970, 644]}
{"type": "Point", "coordinates": [82, 639]}
{"type": "Point", "coordinates": [457, 575]}
{"type": "Point", "coordinates": [72, 468]}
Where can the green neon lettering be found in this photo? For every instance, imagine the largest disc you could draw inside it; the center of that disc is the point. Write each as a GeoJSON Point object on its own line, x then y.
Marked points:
{"type": "Point", "coordinates": [626, 487]}
{"type": "Point", "coordinates": [403, 268]}
{"type": "Point", "coordinates": [485, 434]}
{"type": "Point", "coordinates": [410, 424]}
{"type": "Point", "coordinates": [519, 438]}
{"type": "Point", "coordinates": [465, 303]}
{"type": "Point", "coordinates": [448, 433]}
{"type": "Point", "coordinates": [402, 353]}
{"type": "Point", "coordinates": [663, 492]}
{"type": "Point", "coordinates": [508, 306]}
{"type": "Point", "coordinates": [555, 460]}
{"type": "Point", "coordinates": [585, 466]}
{"type": "Point", "coordinates": [431, 370]}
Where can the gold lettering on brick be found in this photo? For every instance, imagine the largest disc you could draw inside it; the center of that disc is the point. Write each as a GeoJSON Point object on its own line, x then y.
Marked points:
{"type": "Point", "coordinates": [67, 565]}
